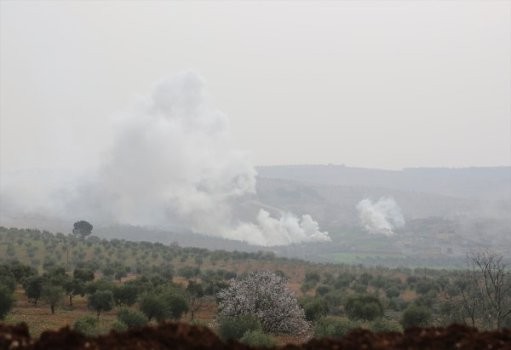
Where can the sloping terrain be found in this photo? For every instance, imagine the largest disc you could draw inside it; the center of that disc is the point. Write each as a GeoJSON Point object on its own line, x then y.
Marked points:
{"type": "Point", "coordinates": [491, 183]}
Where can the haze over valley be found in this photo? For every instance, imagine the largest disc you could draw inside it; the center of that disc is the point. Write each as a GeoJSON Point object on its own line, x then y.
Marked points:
{"type": "Point", "coordinates": [346, 136]}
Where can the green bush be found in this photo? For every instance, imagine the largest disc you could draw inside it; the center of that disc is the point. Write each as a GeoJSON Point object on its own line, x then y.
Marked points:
{"type": "Point", "coordinates": [383, 325]}
{"type": "Point", "coordinates": [392, 292]}
{"type": "Point", "coordinates": [188, 272]}
{"type": "Point", "coordinates": [153, 307]}
{"type": "Point", "coordinates": [425, 286]}
{"type": "Point", "coordinates": [169, 304]}
{"type": "Point", "coordinates": [6, 301]}
{"type": "Point", "coordinates": [119, 326]}
{"type": "Point", "coordinates": [364, 307]}
{"type": "Point", "coordinates": [323, 290]}
{"type": "Point", "coordinates": [8, 281]}
{"type": "Point", "coordinates": [132, 318]}
{"type": "Point", "coordinates": [176, 305]}
{"type": "Point", "coordinates": [100, 301]}
{"type": "Point", "coordinates": [343, 281]}
{"type": "Point", "coordinates": [33, 286]}
{"type": "Point", "coordinates": [333, 327]}
{"type": "Point", "coordinates": [125, 295]}
{"type": "Point", "coordinates": [416, 316]}
{"type": "Point", "coordinates": [87, 325]}
{"type": "Point", "coordinates": [315, 309]}
{"type": "Point", "coordinates": [306, 286]}
{"type": "Point", "coordinates": [257, 339]}
{"type": "Point", "coordinates": [335, 300]}
{"type": "Point", "coordinates": [236, 327]}
{"type": "Point", "coordinates": [312, 278]}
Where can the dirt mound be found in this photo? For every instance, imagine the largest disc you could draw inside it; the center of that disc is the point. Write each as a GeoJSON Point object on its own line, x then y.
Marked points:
{"type": "Point", "coordinates": [452, 337]}
{"type": "Point", "coordinates": [183, 336]}
{"type": "Point", "coordinates": [14, 336]}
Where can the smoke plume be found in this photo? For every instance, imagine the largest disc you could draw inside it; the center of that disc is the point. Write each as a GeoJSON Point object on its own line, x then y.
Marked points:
{"type": "Point", "coordinates": [172, 164]}
{"type": "Point", "coordinates": [380, 217]}
{"type": "Point", "coordinates": [286, 230]}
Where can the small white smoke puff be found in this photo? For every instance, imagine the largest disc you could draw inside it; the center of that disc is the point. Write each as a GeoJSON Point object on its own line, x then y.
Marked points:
{"type": "Point", "coordinates": [380, 217]}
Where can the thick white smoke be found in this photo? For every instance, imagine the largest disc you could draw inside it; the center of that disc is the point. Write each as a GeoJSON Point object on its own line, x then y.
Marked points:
{"type": "Point", "coordinates": [286, 230]}
{"type": "Point", "coordinates": [173, 160]}
{"type": "Point", "coordinates": [172, 163]}
{"type": "Point", "coordinates": [380, 217]}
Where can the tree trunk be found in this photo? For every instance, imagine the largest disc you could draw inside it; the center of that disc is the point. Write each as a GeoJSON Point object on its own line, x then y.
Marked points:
{"type": "Point", "coordinates": [52, 307]}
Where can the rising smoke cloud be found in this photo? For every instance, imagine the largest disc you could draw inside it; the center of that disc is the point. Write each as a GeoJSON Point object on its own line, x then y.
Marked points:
{"type": "Point", "coordinates": [286, 230]}
{"type": "Point", "coordinates": [173, 163]}
{"type": "Point", "coordinates": [380, 217]}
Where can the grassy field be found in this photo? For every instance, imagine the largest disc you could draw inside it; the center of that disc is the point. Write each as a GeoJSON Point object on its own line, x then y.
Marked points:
{"type": "Point", "coordinates": [39, 317]}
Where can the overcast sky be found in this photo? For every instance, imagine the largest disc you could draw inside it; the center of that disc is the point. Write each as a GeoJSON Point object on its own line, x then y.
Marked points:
{"type": "Point", "coordinates": [372, 84]}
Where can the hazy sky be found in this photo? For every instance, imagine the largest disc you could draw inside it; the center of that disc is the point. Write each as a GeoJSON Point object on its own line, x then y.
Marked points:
{"type": "Point", "coordinates": [373, 84]}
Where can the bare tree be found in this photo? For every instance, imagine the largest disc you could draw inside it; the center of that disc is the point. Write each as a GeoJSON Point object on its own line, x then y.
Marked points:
{"type": "Point", "coordinates": [492, 286]}
{"type": "Point", "coordinates": [468, 298]}
{"type": "Point", "coordinates": [195, 294]}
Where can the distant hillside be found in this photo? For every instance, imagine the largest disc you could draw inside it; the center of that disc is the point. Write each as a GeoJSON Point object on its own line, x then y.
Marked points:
{"type": "Point", "coordinates": [448, 212]}
{"type": "Point", "coordinates": [336, 205]}
{"type": "Point", "coordinates": [485, 183]}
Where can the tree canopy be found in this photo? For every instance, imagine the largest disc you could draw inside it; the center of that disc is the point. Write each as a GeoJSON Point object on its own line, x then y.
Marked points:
{"type": "Point", "coordinates": [82, 228]}
{"type": "Point", "coordinates": [265, 296]}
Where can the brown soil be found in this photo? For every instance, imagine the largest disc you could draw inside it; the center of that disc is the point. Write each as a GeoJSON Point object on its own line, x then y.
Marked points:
{"type": "Point", "coordinates": [183, 336]}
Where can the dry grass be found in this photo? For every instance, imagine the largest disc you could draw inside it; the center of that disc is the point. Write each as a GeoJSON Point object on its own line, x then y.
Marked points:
{"type": "Point", "coordinates": [39, 318]}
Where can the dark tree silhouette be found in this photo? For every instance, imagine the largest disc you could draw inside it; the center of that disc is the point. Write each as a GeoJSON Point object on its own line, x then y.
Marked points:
{"type": "Point", "coordinates": [6, 301]}
{"type": "Point", "coordinates": [82, 228]}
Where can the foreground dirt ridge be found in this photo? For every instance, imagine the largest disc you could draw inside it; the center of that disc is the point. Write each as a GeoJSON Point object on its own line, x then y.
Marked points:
{"type": "Point", "coordinates": [184, 336]}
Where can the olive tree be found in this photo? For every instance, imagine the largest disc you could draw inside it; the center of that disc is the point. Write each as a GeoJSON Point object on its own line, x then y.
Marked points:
{"type": "Point", "coordinates": [265, 296]}
{"type": "Point", "coordinates": [164, 306]}
{"type": "Point", "coordinates": [175, 305]}
{"type": "Point", "coordinates": [33, 286]}
{"type": "Point", "coordinates": [153, 307]}
{"type": "Point", "coordinates": [363, 307]}
{"type": "Point", "coordinates": [100, 301]}
{"type": "Point", "coordinates": [52, 295]}
{"type": "Point", "coordinates": [125, 295]}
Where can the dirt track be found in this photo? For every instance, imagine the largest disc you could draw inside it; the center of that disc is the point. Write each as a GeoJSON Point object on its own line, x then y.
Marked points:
{"type": "Point", "coordinates": [183, 336]}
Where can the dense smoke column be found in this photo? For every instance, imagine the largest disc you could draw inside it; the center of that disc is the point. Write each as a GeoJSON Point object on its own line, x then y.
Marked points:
{"type": "Point", "coordinates": [173, 161]}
